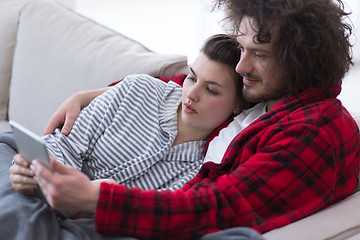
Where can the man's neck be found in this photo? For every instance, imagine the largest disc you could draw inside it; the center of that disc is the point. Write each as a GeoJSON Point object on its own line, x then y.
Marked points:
{"type": "Point", "coordinates": [271, 103]}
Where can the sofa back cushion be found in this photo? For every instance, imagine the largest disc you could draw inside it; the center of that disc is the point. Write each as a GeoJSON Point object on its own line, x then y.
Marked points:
{"type": "Point", "coordinates": [59, 52]}
{"type": "Point", "coordinates": [9, 15]}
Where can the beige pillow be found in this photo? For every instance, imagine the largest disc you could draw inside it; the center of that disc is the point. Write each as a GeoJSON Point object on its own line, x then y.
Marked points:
{"type": "Point", "coordinates": [59, 52]}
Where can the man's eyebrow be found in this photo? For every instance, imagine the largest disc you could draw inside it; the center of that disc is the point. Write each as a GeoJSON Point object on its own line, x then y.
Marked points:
{"type": "Point", "coordinates": [255, 49]}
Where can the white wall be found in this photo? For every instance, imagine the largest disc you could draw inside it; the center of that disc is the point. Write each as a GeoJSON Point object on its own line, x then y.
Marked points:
{"type": "Point", "coordinates": [69, 3]}
{"type": "Point", "coordinates": [176, 26]}
{"type": "Point", "coordinates": [350, 94]}
{"type": "Point", "coordinates": [353, 6]}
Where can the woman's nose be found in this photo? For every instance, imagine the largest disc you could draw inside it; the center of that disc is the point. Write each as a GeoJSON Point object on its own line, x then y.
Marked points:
{"type": "Point", "coordinates": [194, 93]}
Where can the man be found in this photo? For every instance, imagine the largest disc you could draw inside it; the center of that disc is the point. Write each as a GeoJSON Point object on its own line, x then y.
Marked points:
{"type": "Point", "coordinates": [299, 157]}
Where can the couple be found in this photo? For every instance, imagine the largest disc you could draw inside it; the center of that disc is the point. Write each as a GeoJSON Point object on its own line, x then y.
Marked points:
{"type": "Point", "coordinates": [149, 134]}
{"type": "Point", "coordinates": [301, 156]}
{"type": "Point", "coordinates": [107, 139]}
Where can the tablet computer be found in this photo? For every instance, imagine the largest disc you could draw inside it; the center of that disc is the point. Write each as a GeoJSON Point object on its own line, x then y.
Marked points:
{"type": "Point", "coordinates": [30, 145]}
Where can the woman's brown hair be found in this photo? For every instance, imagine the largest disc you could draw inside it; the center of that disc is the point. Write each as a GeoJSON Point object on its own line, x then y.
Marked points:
{"type": "Point", "coordinates": [225, 49]}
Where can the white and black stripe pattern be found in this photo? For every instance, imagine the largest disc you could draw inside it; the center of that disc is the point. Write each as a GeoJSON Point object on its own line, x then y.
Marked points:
{"type": "Point", "coordinates": [127, 133]}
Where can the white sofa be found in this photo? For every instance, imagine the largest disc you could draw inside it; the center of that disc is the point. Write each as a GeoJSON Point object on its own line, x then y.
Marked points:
{"type": "Point", "coordinates": [48, 52]}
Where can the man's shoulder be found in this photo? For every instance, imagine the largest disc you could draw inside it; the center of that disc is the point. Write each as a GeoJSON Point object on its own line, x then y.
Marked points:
{"type": "Point", "coordinates": [328, 116]}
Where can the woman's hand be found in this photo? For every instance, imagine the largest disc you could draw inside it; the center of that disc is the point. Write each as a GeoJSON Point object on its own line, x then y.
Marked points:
{"type": "Point", "coordinates": [67, 189]}
{"type": "Point", "coordinates": [21, 176]}
{"type": "Point", "coordinates": [65, 116]}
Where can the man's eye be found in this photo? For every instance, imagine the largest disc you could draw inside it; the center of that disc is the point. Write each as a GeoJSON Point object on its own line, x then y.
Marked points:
{"type": "Point", "coordinates": [259, 55]}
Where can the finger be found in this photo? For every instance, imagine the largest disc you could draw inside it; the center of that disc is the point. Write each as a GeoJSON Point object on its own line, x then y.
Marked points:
{"type": "Point", "coordinates": [40, 171]}
{"type": "Point", "coordinates": [27, 190]}
{"type": "Point", "coordinates": [52, 125]}
{"type": "Point", "coordinates": [20, 170]}
{"type": "Point", "coordinates": [42, 176]}
{"type": "Point", "coordinates": [21, 182]}
{"type": "Point", "coordinates": [46, 177]}
{"type": "Point", "coordinates": [22, 179]}
{"type": "Point", "coordinates": [60, 168]}
{"type": "Point", "coordinates": [69, 122]}
{"type": "Point", "coordinates": [20, 160]}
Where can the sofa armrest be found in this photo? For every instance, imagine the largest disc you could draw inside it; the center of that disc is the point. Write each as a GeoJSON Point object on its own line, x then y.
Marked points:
{"type": "Point", "coordinates": [4, 126]}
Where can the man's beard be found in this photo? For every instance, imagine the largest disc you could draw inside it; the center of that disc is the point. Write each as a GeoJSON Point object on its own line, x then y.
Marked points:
{"type": "Point", "coordinates": [270, 94]}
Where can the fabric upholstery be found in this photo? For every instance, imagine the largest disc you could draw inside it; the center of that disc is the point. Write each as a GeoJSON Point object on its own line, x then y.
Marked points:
{"type": "Point", "coordinates": [9, 12]}
{"type": "Point", "coordinates": [59, 52]}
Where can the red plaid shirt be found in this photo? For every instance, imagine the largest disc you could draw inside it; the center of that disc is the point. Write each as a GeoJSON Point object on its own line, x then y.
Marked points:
{"type": "Point", "coordinates": [298, 158]}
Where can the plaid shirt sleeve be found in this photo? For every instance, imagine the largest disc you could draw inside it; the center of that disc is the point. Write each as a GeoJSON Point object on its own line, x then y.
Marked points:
{"type": "Point", "coordinates": [280, 169]}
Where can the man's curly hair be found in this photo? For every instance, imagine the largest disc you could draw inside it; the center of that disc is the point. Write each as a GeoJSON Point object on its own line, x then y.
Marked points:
{"type": "Point", "coordinates": [313, 47]}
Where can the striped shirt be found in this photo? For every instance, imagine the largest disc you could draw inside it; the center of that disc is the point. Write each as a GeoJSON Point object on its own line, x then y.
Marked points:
{"type": "Point", "coordinates": [127, 134]}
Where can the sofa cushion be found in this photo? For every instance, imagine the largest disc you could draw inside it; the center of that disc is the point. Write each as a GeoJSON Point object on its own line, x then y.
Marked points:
{"type": "Point", "coordinates": [4, 126]}
{"type": "Point", "coordinates": [9, 14]}
{"type": "Point", "coordinates": [339, 221]}
{"type": "Point", "coordinates": [59, 52]}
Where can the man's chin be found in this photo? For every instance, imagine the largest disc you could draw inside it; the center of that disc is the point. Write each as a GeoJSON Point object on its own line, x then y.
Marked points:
{"type": "Point", "coordinates": [252, 96]}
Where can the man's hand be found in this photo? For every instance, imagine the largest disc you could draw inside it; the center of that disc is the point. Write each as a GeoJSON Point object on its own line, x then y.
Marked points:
{"type": "Point", "coordinates": [65, 116]}
{"type": "Point", "coordinates": [66, 188]}
{"type": "Point", "coordinates": [21, 176]}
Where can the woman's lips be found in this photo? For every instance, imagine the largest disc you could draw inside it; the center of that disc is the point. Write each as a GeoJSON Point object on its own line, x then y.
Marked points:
{"type": "Point", "coordinates": [189, 109]}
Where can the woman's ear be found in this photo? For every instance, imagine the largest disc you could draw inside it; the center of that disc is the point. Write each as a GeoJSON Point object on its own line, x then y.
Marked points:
{"type": "Point", "coordinates": [237, 111]}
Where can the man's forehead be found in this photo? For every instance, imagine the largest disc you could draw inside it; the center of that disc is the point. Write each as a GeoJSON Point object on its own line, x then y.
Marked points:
{"type": "Point", "coordinates": [247, 25]}
{"type": "Point", "coordinates": [249, 28]}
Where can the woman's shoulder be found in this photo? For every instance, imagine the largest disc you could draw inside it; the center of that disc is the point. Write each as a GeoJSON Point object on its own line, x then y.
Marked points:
{"type": "Point", "coordinates": [144, 80]}
{"type": "Point", "coordinates": [143, 85]}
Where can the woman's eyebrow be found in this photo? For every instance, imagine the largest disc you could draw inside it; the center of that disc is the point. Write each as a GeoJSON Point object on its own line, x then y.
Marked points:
{"type": "Point", "coordinates": [192, 71]}
{"type": "Point", "coordinates": [214, 83]}
{"type": "Point", "coordinates": [208, 82]}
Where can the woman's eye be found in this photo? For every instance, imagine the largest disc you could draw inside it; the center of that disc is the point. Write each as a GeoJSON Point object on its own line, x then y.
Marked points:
{"type": "Point", "coordinates": [212, 91]}
{"type": "Point", "coordinates": [191, 78]}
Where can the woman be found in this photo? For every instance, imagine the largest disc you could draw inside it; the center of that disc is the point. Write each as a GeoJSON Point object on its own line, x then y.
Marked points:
{"type": "Point", "coordinates": [146, 133]}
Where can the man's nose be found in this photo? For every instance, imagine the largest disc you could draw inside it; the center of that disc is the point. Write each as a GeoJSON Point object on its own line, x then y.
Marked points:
{"type": "Point", "coordinates": [244, 65]}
